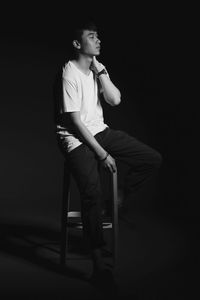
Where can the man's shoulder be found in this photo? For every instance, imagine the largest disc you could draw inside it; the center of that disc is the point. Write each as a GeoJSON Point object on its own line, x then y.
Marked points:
{"type": "Point", "coordinates": [69, 72]}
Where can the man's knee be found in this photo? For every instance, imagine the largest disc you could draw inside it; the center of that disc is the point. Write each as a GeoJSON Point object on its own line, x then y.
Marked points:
{"type": "Point", "coordinates": [156, 159]}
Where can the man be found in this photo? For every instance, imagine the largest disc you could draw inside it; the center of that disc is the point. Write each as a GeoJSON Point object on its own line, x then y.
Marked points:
{"type": "Point", "coordinates": [87, 141]}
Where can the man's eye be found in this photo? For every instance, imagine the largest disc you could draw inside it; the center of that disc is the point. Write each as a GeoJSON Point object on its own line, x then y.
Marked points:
{"type": "Point", "coordinates": [93, 36]}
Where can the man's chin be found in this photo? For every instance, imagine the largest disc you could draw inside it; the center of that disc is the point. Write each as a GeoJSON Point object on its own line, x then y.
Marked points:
{"type": "Point", "coordinates": [97, 52]}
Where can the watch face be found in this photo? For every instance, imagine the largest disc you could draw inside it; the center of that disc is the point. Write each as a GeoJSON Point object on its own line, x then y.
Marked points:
{"type": "Point", "coordinates": [102, 72]}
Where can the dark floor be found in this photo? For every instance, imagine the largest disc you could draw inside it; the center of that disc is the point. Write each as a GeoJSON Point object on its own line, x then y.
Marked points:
{"type": "Point", "coordinates": [157, 260]}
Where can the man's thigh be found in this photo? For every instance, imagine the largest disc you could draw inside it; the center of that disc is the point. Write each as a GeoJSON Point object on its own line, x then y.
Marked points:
{"type": "Point", "coordinates": [127, 148]}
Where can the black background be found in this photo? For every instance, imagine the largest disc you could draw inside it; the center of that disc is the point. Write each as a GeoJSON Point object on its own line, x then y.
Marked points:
{"type": "Point", "coordinates": [144, 49]}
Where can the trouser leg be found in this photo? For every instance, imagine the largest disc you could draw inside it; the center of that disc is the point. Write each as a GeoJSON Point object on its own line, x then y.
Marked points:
{"type": "Point", "coordinates": [142, 160]}
{"type": "Point", "coordinates": [84, 168]}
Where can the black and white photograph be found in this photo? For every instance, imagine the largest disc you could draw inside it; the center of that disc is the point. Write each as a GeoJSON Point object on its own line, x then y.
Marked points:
{"type": "Point", "coordinates": [98, 153]}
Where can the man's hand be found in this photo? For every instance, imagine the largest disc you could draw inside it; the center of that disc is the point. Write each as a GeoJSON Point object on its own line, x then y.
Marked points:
{"type": "Point", "coordinates": [96, 66]}
{"type": "Point", "coordinates": [109, 163]}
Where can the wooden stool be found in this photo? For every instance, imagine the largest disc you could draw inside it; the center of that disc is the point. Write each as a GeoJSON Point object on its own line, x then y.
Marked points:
{"type": "Point", "coordinates": [67, 214]}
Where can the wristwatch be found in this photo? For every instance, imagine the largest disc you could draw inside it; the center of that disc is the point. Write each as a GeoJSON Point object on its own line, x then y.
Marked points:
{"type": "Point", "coordinates": [102, 72]}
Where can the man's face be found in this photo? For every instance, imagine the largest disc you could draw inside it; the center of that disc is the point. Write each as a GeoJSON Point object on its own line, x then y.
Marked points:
{"type": "Point", "coordinates": [90, 43]}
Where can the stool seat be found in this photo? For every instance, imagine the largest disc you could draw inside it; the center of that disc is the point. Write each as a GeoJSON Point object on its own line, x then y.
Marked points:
{"type": "Point", "coordinates": [73, 218]}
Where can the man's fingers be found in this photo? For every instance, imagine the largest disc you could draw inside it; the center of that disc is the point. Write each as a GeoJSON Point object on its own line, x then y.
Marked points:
{"type": "Point", "coordinates": [112, 168]}
{"type": "Point", "coordinates": [110, 164]}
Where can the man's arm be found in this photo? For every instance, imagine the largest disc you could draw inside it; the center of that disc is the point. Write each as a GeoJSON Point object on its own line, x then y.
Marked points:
{"type": "Point", "coordinates": [85, 135]}
{"type": "Point", "coordinates": [111, 93]}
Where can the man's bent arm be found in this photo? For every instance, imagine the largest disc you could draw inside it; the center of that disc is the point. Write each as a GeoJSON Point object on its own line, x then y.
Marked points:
{"type": "Point", "coordinates": [85, 135]}
{"type": "Point", "coordinates": [110, 92]}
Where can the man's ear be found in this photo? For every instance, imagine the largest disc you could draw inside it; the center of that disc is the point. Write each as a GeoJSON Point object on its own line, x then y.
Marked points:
{"type": "Point", "coordinates": [76, 44]}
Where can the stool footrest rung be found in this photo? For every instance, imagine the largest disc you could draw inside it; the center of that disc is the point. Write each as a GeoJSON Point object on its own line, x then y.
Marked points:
{"type": "Point", "coordinates": [80, 226]}
{"type": "Point", "coordinates": [74, 214]}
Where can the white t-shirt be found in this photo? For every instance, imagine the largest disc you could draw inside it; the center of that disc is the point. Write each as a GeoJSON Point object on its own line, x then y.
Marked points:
{"type": "Point", "coordinates": [80, 93]}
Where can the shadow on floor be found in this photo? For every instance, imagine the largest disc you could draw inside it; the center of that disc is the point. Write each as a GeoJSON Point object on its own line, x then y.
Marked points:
{"type": "Point", "coordinates": [38, 245]}
{"type": "Point", "coordinates": [155, 259]}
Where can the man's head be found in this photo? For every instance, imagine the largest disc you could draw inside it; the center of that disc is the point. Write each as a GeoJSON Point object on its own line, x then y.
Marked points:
{"type": "Point", "coordinates": [85, 39]}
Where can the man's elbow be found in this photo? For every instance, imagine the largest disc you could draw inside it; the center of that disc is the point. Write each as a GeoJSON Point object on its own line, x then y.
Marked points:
{"type": "Point", "coordinates": [116, 100]}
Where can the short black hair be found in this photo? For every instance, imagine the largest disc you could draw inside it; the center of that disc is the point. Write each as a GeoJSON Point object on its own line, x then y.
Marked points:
{"type": "Point", "coordinates": [80, 26]}
{"type": "Point", "coordinates": [75, 31]}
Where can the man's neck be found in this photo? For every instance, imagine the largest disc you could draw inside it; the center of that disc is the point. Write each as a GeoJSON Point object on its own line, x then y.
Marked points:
{"type": "Point", "coordinates": [83, 63]}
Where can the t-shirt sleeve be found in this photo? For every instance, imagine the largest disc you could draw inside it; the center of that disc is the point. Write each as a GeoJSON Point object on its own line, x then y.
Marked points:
{"type": "Point", "coordinates": [71, 99]}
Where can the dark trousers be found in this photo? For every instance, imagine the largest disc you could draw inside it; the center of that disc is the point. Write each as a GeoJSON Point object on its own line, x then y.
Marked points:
{"type": "Point", "coordinates": [141, 160]}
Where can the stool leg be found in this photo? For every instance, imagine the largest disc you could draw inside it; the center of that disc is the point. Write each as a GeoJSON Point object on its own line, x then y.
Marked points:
{"type": "Point", "coordinates": [64, 215]}
{"type": "Point", "coordinates": [115, 216]}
